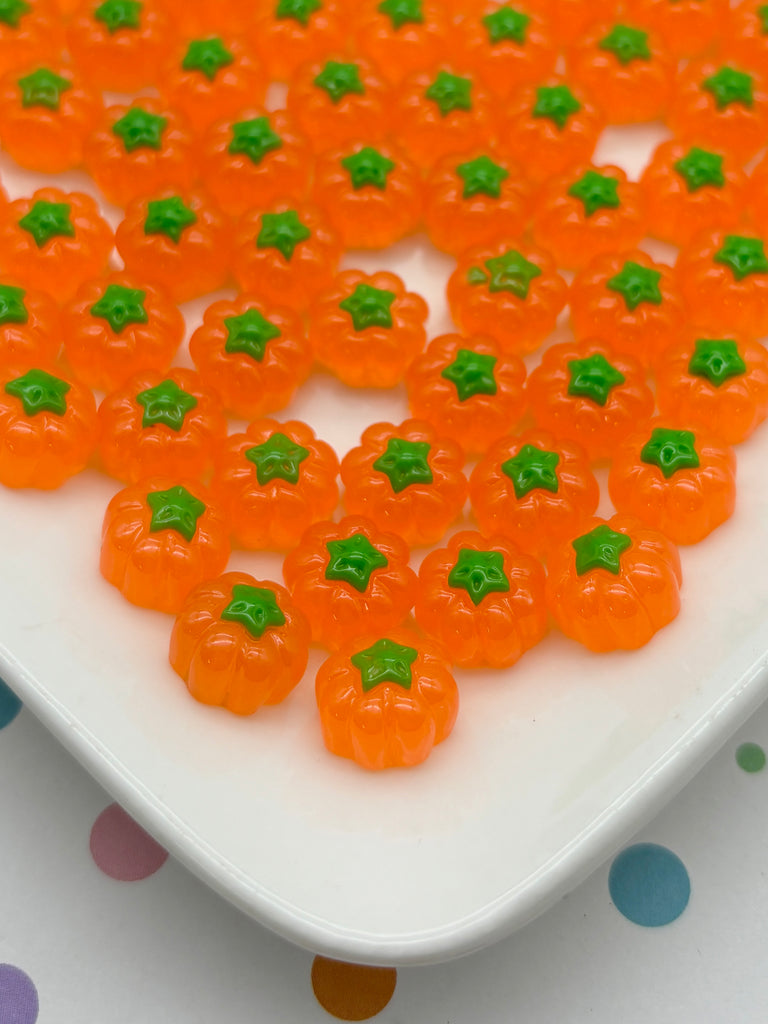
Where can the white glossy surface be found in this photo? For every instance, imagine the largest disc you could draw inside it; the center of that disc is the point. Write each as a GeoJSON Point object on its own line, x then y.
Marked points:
{"type": "Point", "coordinates": [550, 767]}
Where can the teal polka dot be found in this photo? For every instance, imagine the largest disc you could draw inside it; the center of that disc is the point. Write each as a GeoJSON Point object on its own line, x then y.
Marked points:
{"type": "Point", "coordinates": [750, 757]}
{"type": "Point", "coordinates": [649, 884]}
{"type": "Point", "coordinates": [10, 705]}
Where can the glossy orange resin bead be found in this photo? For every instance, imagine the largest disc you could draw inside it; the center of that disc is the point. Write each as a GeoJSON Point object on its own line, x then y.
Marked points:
{"type": "Point", "coordinates": [687, 190]}
{"type": "Point", "coordinates": [160, 425]}
{"type": "Point", "coordinates": [205, 17]}
{"type": "Point", "coordinates": [48, 427]}
{"type": "Point", "coordinates": [757, 193]}
{"type": "Point", "coordinates": [533, 488]}
{"type": "Point", "coordinates": [626, 72]}
{"type": "Point", "coordinates": [119, 44]}
{"type": "Point", "coordinates": [687, 28]}
{"type": "Point", "coordinates": [139, 150]}
{"type": "Point", "coordinates": [30, 326]}
{"type": "Point", "coordinates": [718, 385]}
{"type": "Point", "coordinates": [367, 329]}
{"type": "Point", "coordinates": [483, 600]}
{"type": "Point", "coordinates": [239, 643]}
{"type": "Point", "coordinates": [570, 19]}
{"type": "Point", "coordinates": [615, 586]}
{"type": "Point", "coordinates": [442, 112]}
{"type": "Point", "coordinates": [350, 578]}
{"type": "Point", "coordinates": [372, 196]}
{"type": "Point", "coordinates": [473, 199]}
{"type": "Point", "coordinates": [681, 483]}
{"type": "Point", "coordinates": [45, 117]}
{"type": "Point", "coordinates": [212, 78]}
{"type": "Point", "coordinates": [255, 160]}
{"type": "Point", "coordinates": [631, 302]}
{"type": "Point", "coordinates": [386, 701]}
{"type": "Point", "coordinates": [178, 241]}
{"type": "Point", "coordinates": [286, 255]}
{"type": "Point", "coordinates": [406, 479]}
{"type": "Point", "coordinates": [160, 539]}
{"type": "Point", "coordinates": [506, 46]}
{"type": "Point", "coordinates": [587, 393]}
{"type": "Point", "coordinates": [338, 101]}
{"type": "Point", "coordinates": [54, 240]}
{"type": "Point", "coordinates": [550, 128]}
{"type": "Point", "coordinates": [254, 357]}
{"type": "Point", "coordinates": [587, 212]}
{"type": "Point", "coordinates": [401, 37]}
{"type": "Point", "coordinates": [513, 293]}
{"type": "Point", "coordinates": [293, 32]}
{"type": "Point", "coordinates": [274, 481]}
{"type": "Point", "coordinates": [115, 327]}
{"type": "Point", "coordinates": [746, 36]}
{"type": "Point", "coordinates": [724, 278]}
{"type": "Point", "coordinates": [467, 389]}
{"type": "Point", "coordinates": [721, 106]}
{"type": "Point", "coordinates": [30, 33]}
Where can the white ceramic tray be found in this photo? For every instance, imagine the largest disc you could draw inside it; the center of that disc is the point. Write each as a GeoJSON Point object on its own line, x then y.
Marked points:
{"type": "Point", "coordinates": [552, 765]}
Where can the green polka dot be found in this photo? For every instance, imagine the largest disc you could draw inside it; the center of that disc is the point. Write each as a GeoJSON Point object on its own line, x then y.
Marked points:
{"type": "Point", "coordinates": [750, 757]}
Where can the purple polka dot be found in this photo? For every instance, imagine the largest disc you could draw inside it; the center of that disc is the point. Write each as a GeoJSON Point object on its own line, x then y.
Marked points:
{"type": "Point", "coordinates": [18, 996]}
{"type": "Point", "coordinates": [122, 849]}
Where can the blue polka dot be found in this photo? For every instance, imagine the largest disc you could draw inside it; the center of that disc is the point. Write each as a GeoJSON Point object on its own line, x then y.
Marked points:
{"type": "Point", "coordinates": [649, 884]}
{"type": "Point", "coordinates": [10, 705]}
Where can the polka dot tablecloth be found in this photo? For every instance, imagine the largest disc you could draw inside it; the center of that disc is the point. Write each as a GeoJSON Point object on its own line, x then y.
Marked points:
{"type": "Point", "coordinates": [99, 924]}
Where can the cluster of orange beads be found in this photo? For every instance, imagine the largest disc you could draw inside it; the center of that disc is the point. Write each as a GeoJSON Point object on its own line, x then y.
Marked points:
{"type": "Point", "coordinates": [477, 123]}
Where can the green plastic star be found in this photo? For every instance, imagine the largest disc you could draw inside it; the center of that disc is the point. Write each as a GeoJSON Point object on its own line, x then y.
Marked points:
{"type": "Point", "coordinates": [471, 373]}
{"type": "Point", "coordinates": [46, 221]}
{"type": "Point", "coordinates": [480, 573]}
{"type": "Point", "coordinates": [699, 168]}
{"type": "Point", "coordinates": [557, 103]}
{"type": "Point", "coordinates": [510, 272]}
{"type": "Point", "coordinates": [532, 469]}
{"type": "Point", "coordinates": [593, 377]}
{"type": "Point", "coordinates": [670, 450]}
{"type": "Point", "coordinates": [297, 10]}
{"type": "Point", "coordinates": [277, 458]}
{"type": "Point", "coordinates": [636, 284]}
{"type": "Point", "coordinates": [139, 129]}
{"type": "Point", "coordinates": [121, 306]}
{"type": "Point", "coordinates": [368, 167]}
{"type": "Point", "coordinates": [175, 509]}
{"type": "Point", "coordinates": [13, 309]}
{"type": "Point", "coordinates": [256, 608]}
{"type": "Point", "coordinates": [402, 12]}
{"type": "Point", "coordinates": [717, 360]}
{"type": "Point", "coordinates": [39, 392]}
{"type": "Point", "coordinates": [117, 14]}
{"type": "Point", "coordinates": [352, 560]}
{"type": "Point", "coordinates": [405, 463]}
{"type": "Point", "coordinates": [601, 548]}
{"type": "Point", "coordinates": [208, 56]}
{"type": "Point", "coordinates": [282, 231]}
{"type": "Point", "coordinates": [369, 307]}
{"type": "Point", "coordinates": [450, 92]}
{"type": "Point", "coordinates": [626, 44]}
{"type": "Point", "coordinates": [762, 13]}
{"type": "Point", "coordinates": [12, 11]}
{"type": "Point", "coordinates": [165, 405]}
{"type": "Point", "coordinates": [596, 192]}
{"type": "Point", "coordinates": [385, 662]}
{"type": "Point", "coordinates": [743, 256]}
{"type": "Point", "coordinates": [482, 176]}
{"type": "Point", "coordinates": [42, 88]}
{"type": "Point", "coordinates": [338, 80]}
{"type": "Point", "coordinates": [730, 86]}
{"type": "Point", "coordinates": [506, 24]}
{"type": "Point", "coordinates": [169, 217]}
{"type": "Point", "coordinates": [254, 138]}
{"type": "Point", "coordinates": [249, 333]}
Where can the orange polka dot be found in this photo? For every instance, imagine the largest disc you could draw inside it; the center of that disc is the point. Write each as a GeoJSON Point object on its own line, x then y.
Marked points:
{"type": "Point", "coordinates": [352, 991]}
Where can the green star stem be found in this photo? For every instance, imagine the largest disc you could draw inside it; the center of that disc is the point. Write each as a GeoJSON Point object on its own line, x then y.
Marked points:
{"type": "Point", "coordinates": [405, 463]}
{"type": "Point", "coordinates": [601, 548]}
{"type": "Point", "coordinates": [208, 56]}
{"type": "Point", "coordinates": [39, 392]}
{"type": "Point", "coordinates": [43, 88]}
{"type": "Point", "coordinates": [636, 284]}
{"type": "Point", "coordinates": [282, 231]}
{"type": "Point", "coordinates": [480, 573]}
{"type": "Point", "coordinates": [165, 405]}
{"type": "Point", "coordinates": [13, 309]}
{"type": "Point", "coordinates": [626, 44]}
{"type": "Point", "coordinates": [353, 560]}
{"type": "Point", "coordinates": [450, 93]}
{"type": "Point", "coordinates": [670, 451]}
{"type": "Point", "coordinates": [277, 458]}
{"type": "Point", "coordinates": [471, 373]}
{"type": "Point", "coordinates": [385, 662]}
{"type": "Point", "coordinates": [340, 80]}
{"type": "Point", "coordinates": [175, 509]}
{"type": "Point", "coordinates": [716, 360]}
{"type": "Point", "coordinates": [700, 168]}
{"type": "Point", "coordinates": [743, 256]}
{"type": "Point", "coordinates": [140, 129]}
{"type": "Point", "coordinates": [594, 378]}
{"type": "Point", "coordinates": [254, 139]}
{"type": "Point", "coordinates": [121, 306]}
{"type": "Point", "coordinates": [532, 469]}
{"type": "Point", "coordinates": [556, 103]}
{"type": "Point", "coordinates": [249, 333]}
{"type": "Point", "coordinates": [48, 220]}
{"type": "Point", "coordinates": [368, 167]}
{"type": "Point", "coordinates": [369, 307]}
{"type": "Point", "coordinates": [170, 217]}
{"type": "Point", "coordinates": [596, 192]}
{"type": "Point", "coordinates": [482, 176]}
{"type": "Point", "coordinates": [255, 608]}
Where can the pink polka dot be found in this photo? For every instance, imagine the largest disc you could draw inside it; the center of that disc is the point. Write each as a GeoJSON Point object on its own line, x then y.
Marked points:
{"type": "Point", "coordinates": [122, 849]}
